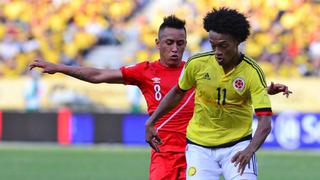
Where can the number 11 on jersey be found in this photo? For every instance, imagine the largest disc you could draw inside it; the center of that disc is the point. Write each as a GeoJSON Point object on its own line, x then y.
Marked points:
{"type": "Point", "coordinates": [224, 91]}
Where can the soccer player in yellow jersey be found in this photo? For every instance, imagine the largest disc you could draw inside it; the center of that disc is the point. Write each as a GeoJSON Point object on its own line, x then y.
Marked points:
{"type": "Point", "coordinates": [227, 85]}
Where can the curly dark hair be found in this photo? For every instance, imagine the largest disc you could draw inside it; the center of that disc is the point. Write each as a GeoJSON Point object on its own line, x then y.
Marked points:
{"type": "Point", "coordinates": [227, 21]}
{"type": "Point", "coordinates": [172, 22]}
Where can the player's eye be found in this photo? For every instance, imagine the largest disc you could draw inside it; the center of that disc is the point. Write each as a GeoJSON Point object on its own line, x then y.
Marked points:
{"type": "Point", "coordinates": [169, 42]}
{"type": "Point", "coordinates": [220, 46]}
{"type": "Point", "coordinates": [180, 43]}
{"type": "Point", "coordinates": [224, 45]}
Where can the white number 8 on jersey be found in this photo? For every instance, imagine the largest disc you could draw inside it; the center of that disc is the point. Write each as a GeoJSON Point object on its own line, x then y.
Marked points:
{"type": "Point", "coordinates": [157, 93]}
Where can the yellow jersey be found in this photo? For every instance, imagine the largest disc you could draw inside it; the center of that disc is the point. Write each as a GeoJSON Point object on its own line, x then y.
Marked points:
{"type": "Point", "coordinates": [223, 110]}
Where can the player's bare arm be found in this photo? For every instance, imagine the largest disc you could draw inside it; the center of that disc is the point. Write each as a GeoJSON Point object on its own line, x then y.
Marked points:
{"type": "Point", "coordinates": [242, 158]}
{"type": "Point", "coordinates": [278, 88]}
{"type": "Point", "coordinates": [171, 100]}
{"type": "Point", "coordinates": [89, 74]}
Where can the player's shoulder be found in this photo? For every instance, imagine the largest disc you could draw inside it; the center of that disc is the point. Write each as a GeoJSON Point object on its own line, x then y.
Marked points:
{"type": "Point", "coordinates": [250, 63]}
{"type": "Point", "coordinates": [140, 65]}
{"type": "Point", "coordinates": [252, 66]}
{"type": "Point", "coordinates": [199, 57]}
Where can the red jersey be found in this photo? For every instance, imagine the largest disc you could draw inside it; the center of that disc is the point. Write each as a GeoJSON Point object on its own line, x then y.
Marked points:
{"type": "Point", "coordinates": [155, 81]}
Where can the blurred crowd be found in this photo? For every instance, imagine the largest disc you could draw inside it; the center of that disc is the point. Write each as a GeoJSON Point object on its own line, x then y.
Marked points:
{"type": "Point", "coordinates": [57, 30]}
{"type": "Point", "coordinates": [285, 35]}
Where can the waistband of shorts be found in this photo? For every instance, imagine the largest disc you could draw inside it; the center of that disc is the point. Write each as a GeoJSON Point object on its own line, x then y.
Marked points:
{"type": "Point", "coordinates": [229, 144]}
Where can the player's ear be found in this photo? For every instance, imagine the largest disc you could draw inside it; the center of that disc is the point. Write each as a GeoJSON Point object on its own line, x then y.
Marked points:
{"type": "Point", "coordinates": [157, 42]}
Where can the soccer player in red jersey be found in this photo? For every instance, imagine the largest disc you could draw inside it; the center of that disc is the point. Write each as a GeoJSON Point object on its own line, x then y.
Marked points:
{"type": "Point", "coordinates": [154, 79]}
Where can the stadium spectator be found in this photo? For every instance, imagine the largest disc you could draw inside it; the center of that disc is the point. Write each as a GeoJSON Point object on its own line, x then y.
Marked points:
{"type": "Point", "coordinates": [227, 83]}
{"type": "Point", "coordinates": [314, 51]}
{"type": "Point", "coordinates": [154, 79]}
{"type": "Point", "coordinates": [33, 92]}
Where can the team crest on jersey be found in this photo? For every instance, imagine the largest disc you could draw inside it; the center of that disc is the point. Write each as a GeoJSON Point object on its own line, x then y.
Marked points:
{"type": "Point", "coordinates": [238, 84]}
{"type": "Point", "coordinates": [156, 80]}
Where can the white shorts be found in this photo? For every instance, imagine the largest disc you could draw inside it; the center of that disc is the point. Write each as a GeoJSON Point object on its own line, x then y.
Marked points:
{"type": "Point", "coordinates": [208, 164]}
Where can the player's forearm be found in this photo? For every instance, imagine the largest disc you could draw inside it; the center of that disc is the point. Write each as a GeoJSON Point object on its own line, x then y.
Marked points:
{"type": "Point", "coordinates": [171, 100]}
{"type": "Point", "coordinates": [263, 130]}
{"type": "Point", "coordinates": [92, 75]}
{"type": "Point", "coordinates": [83, 73]}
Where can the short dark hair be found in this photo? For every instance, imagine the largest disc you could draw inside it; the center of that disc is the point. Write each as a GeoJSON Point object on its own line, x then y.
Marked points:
{"type": "Point", "coordinates": [172, 22]}
{"type": "Point", "coordinates": [227, 21]}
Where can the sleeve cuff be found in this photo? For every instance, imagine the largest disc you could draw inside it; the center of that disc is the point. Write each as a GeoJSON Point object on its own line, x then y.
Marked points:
{"type": "Point", "coordinates": [263, 112]}
{"type": "Point", "coordinates": [178, 86]}
{"type": "Point", "coordinates": [124, 75]}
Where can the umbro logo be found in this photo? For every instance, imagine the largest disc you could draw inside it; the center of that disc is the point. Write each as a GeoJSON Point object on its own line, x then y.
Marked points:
{"type": "Point", "coordinates": [156, 80]}
{"type": "Point", "coordinates": [206, 76]}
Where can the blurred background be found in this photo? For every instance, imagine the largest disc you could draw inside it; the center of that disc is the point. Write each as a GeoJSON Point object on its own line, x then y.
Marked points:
{"type": "Point", "coordinates": [285, 41]}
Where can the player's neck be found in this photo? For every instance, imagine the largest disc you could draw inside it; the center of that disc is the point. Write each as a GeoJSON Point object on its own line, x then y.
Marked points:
{"type": "Point", "coordinates": [170, 65]}
{"type": "Point", "coordinates": [235, 60]}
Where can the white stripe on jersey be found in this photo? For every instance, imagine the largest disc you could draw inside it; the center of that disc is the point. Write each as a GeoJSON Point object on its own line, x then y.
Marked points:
{"type": "Point", "coordinates": [178, 110]}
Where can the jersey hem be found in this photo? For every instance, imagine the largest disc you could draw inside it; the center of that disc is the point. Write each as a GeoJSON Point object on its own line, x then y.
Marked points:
{"type": "Point", "coordinates": [229, 144]}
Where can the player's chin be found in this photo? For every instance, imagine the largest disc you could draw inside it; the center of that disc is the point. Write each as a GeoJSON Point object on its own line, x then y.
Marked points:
{"type": "Point", "coordinates": [174, 62]}
{"type": "Point", "coordinates": [220, 62]}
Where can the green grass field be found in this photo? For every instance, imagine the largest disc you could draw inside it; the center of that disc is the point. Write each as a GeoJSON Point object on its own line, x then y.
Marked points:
{"type": "Point", "coordinates": [52, 162]}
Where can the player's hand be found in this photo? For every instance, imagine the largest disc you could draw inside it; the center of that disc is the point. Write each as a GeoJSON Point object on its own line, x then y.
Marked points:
{"type": "Point", "coordinates": [152, 137]}
{"type": "Point", "coordinates": [277, 88]}
{"type": "Point", "coordinates": [241, 159]}
{"type": "Point", "coordinates": [46, 67]}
